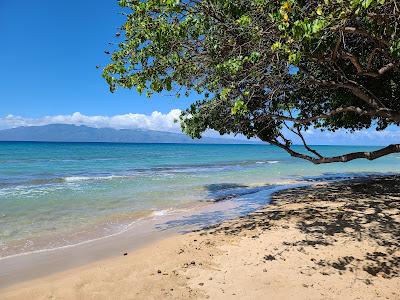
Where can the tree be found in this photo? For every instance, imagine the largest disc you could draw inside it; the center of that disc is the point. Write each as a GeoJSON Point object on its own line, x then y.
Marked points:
{"type": "Point", "coordinates": [266, 68]}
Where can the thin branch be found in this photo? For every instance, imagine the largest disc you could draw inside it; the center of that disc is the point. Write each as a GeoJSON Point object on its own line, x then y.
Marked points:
{"type": "Point", "coordinates": [298, 133]}
{"type": "Point", "coordinates": [371, 58]}
{"type": "Point", "coordinates": [315, 152]}
{"type": "Point", "coordinates": [354, 61]}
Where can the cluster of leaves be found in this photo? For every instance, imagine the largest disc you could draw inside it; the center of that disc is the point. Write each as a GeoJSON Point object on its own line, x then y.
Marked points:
{"type": "Point", "coordinates": [262, 67]}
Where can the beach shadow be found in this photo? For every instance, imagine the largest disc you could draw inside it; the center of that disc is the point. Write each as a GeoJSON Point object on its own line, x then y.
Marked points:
{"type": "Point", "coordinates": [217, 187]}
{"type": "Point", "coordinates": [193, 222]}
{"type": "Point", "coordinates": [244, 199]}
{"type": "Point", "coordinates": [361, 209]}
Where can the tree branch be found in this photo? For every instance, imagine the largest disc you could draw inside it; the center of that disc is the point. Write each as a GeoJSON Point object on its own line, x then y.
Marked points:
{"type": "Point", "coordinates": [386, 68]}
{"type": "Point", "coordinates": [357, 91]}
{"type": "Point", "coordinates": [386, 113]}
{"type": "Point", "coordinates": [364, 33]}
{"type": "Point", "coordinates": [372, 155]}
{"type": "Point", "coordinates": [354, 61]}
{"type": "Point", "coordinates": [298, 133]}
{"type": "Point", "coordinates": [360, 70]}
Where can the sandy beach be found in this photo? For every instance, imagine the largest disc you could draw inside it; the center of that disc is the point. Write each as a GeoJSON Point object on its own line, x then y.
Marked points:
{"type": "Point", "coordinates": [330, 241]}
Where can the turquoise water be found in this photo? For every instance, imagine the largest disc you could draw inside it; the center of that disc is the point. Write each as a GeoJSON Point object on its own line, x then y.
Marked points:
{"type": "Point", "coordinates": [54, 194]}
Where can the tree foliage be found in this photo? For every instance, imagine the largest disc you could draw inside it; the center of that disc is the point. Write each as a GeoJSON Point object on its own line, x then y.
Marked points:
{"type": "Point", "coordinates": [266, 68]}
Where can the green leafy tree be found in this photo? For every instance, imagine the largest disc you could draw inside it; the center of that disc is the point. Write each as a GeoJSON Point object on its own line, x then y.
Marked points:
{"type": "Point", "coordinates": [266, 68]}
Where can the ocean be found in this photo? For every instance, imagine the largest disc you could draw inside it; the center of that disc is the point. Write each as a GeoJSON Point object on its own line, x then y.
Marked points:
{"type": "Point", "coordinates": [60, 194]}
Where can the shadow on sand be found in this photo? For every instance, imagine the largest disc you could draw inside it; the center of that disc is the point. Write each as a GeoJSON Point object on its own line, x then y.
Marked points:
{"type": "Point", "coordinates": [245, 199]}
{"type": "Point", "coordinates": [361, 209]}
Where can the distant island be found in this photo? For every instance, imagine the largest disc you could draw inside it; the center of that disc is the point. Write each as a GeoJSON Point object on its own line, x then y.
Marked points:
{"type": "Point", "coordinates": [74, 133]}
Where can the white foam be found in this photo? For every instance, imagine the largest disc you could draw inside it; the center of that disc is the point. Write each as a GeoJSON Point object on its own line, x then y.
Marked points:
{"type": "Point", "coordinates": [86, 178]}
{"type": "Point", "coordinates": [160, 213]}
{"type": "Point", "coordinates": [267, 162]}
{"type": "Point", "coordinates": [76, 178]}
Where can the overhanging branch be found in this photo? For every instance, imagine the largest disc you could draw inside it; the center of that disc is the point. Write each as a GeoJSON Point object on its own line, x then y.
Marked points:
{"type": "Point", "coordinates": [385, 113]}
{"type": "Point", "coordinates": [372, 155]}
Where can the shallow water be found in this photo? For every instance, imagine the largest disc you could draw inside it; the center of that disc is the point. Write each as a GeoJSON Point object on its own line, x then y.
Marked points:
{"type": "Point", "coordinates": [57, 194]}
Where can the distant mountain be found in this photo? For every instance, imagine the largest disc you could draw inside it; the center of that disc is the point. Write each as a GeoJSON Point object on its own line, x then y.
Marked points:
{"type": "Point", "coordinates": [73, 133]}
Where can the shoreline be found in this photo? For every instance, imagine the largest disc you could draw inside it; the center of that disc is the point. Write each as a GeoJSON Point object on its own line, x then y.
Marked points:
{"type": "Point", "coordinates": [163, 215]}
{"type": "Point", "coordinates": [244, 231]}
{"type": "Point", "coordinates": [130, 226]}
{"type": "Point", "coordinates": [21, 267]}
{"type": "Point", "coordinates": [196, 206]}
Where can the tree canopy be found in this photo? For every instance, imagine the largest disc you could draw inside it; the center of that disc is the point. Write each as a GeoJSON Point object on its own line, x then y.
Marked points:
{"type": "Point", "coordinates": [266, 68]}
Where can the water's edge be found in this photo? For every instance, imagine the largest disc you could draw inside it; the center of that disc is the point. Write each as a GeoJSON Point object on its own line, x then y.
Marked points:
{"type": "Point", "coordinates": [32, 265]}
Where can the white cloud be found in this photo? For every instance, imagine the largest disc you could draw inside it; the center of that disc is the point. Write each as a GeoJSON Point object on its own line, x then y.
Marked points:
{"type": "Point", "coordinates": [154, 121]}
{"type": "Point", "coordinates": [166, 122]}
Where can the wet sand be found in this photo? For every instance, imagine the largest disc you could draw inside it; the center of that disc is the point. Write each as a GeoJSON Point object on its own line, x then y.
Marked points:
{"type": "Point", "coordinates": [329, 241]}
{"type": "Point", "coordinates": [31, 265]}
{"type": "Point", "coordinates": [21, 267]}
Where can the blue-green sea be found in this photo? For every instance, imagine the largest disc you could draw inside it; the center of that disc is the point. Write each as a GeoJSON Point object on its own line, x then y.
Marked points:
{"type": "Point", "coordinates": [55, 194]}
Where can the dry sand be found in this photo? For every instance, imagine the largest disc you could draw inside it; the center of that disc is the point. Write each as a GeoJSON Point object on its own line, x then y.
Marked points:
{"type": "Point", "coordinates": [331, 241]}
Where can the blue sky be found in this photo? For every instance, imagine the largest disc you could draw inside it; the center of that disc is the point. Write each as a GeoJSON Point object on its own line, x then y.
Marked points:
{"type": "Point", "coordinates": [49, 53]}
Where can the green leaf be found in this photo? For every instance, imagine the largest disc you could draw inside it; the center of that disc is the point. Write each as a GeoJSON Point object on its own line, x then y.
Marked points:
{"type": "Point", "coordinates": [244, 21]}
{"type": "Point", "coordinates": [367, 3]}
{"type": "Point", "coordinates": [239, 108]}
{"type": "Point", "coordinates": [224, 93]}
{"type": "Point", "coordinates": [168, 83]}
